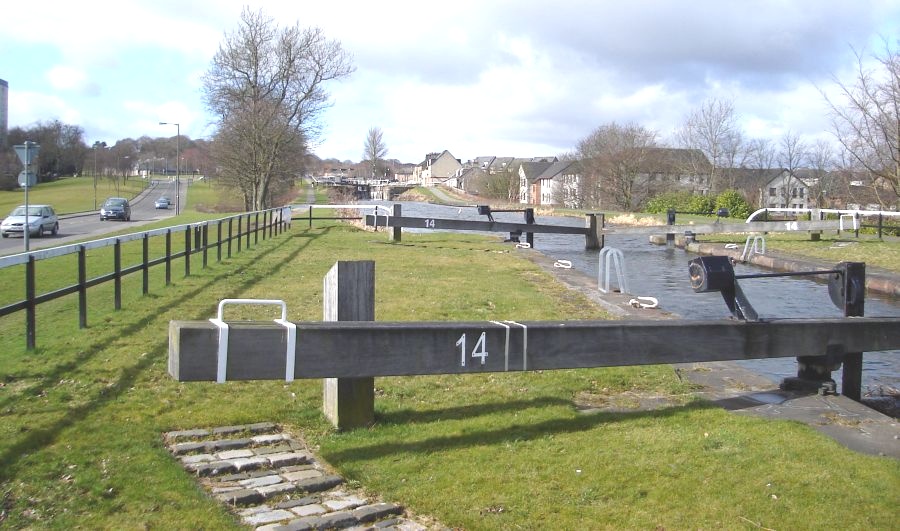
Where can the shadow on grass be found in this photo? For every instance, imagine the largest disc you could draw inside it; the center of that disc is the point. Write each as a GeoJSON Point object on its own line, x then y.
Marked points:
{"type": "Point", "coordinates": [406, 416]}
{"type": "Point", "coordinates": [507, 434]}
{"type": "Point", "coordinates": [37, 438]}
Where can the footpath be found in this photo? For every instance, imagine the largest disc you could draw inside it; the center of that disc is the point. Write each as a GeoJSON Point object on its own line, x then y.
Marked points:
{"type": "Point", "coordinates": [852, 424]}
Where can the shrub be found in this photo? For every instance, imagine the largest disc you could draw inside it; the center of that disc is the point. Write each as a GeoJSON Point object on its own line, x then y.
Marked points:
{"type": "Point", "coordinates": [737, 206]}
{"type": "Point", "coordinates": [663, 202]}
{"type": "Point", "coordinates": [702, 204]}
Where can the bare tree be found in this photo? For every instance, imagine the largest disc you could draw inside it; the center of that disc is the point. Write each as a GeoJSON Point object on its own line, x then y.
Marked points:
{"type": "Point", "coordinates": [867, 120]}
{"type": "Point", "coordinates": [613, 159]}
{"type": "Point", "coordinates": [821, 162]}
{"type": "Point", "coordinates": [374, 150]}
{"type": "Point", "coordinates": [266, 87]}
{"type": "Point", "coordinates": [713, 130]}
{"type": "Point", "coordinates": [792, 152]}
{"type": "Point", "coordinates": [761, 154]}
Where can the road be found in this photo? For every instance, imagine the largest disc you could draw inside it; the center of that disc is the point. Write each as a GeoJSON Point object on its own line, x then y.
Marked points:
{"type": "Point", "coordinates": [87, 225]}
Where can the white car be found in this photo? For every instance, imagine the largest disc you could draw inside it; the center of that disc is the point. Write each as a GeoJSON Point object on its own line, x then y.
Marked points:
{"type": "Point", "coordinates": [40, 220]}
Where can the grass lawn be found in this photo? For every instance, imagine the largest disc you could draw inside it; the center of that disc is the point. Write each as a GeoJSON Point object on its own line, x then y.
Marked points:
{"type": "Point", "coordinates": [72, 194]}
{"type": "Point", "coordinates": [83, 414]}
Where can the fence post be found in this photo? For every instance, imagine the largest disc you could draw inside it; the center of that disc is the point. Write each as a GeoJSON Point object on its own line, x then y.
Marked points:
{"type": "Point", "coordinates": [256, 229]}
{"type": "Point", "coordinates": [168, 256]}
{"type": "Point", "coordinates": [397, 232]}
{"type": "Point", "coordinates": [204, 229]}
{"type": "Point", "coordinates": [145, 267]}
{"type": "Point", "coordinates": [240, 233]}
{"type": "Point", "coordinates": [30, 321]}
{"type": "Point", "coordinates": [187, 251]}
{"type": "Point", "coordinates": [349, 296]}
{"type": "Point", "coordinates": [82, 287]}
{"type": "Point", "coordinates": [880, 225]}
{"type": "Point", "coordinates": [117, 275]}
{"type": "Point", "coordinates": [594, 238]}
{"type": "Point", "coordinates": [230, 220]}
{"type": "Point", "coordinates": [248, 231]}
{"type": "Point", "coordinates": [218, 241]}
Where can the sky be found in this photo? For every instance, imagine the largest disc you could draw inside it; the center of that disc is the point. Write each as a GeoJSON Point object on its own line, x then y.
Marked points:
{"type": "Point", "coordinates": [519, 78]}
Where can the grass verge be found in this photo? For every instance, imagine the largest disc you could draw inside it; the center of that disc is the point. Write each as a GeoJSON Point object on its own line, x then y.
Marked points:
{"type": "Point", "coordinates": [82, 415]}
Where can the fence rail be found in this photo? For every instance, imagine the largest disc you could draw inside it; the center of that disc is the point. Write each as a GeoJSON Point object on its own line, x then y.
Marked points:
{"type": "Point", "coordinates": [197, 240]}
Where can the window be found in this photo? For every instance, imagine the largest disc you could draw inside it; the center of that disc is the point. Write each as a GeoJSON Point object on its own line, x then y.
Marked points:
{"type": "Point", "coordinates": [771, 192]}
{"type": "Point", "coordinates": [802, 190]}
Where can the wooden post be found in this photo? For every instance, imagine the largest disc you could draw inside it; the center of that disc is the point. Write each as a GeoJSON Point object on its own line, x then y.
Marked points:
{"type": "Point", "coordinates": [168, 256]}
{"type": "Point", "coordinates": [670, 220]}
{"type": "Point", "coordinates": [117, 275]}
{"type": "Point", "coordinates": [30, 317]}
{"type": "Point", "coordinates": [594, 238]}
{"type": "Point", "coordinates": [529, 220]}
{"type": "Point", "coordinates": [187, 251]}
{"type": "Point", "coordinates": [397, 231]}
{"type": "Point", "coordinates": [350, 296]}
{"type": "Point", "coordinates": [145, 264]}
{"type": "Point", "coordinates": [82, 287]}
{"type": "Point", "coordinates": [854, 306]}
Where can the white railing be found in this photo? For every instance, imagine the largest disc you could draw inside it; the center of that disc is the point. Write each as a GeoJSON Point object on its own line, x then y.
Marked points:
{"type": "Point", "coordinates": [838, 211]}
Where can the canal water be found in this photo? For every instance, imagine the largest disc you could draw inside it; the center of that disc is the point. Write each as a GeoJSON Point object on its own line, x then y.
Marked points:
{"type": "Point", "coordinates": [656, 271]}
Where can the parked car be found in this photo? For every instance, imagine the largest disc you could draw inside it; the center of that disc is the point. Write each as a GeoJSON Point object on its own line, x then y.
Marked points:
{"type": "Point", "coordinates": [40, 220]}
{"type": "Point", "coordinates": [115, 208]}
{"type": "Point", "coordinates": [162, 202]}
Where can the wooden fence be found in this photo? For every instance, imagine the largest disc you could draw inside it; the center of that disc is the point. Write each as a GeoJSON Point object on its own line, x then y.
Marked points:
{"type": "Point", "coordinates": [220, 236]}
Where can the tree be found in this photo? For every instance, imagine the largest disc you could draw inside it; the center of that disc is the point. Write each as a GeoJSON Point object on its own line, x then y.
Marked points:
{"type": "Point", "coordinates": [713, 130]}
{"type": "Point", "coordinates": [374, 150]}
{"type": "Point", "coordinates": [761, 154]}
{"type": "Point", "coordinates": [613, 159]}
{"type": "Point", "coordinates": [821, 162]}
{"type": "Point", "coordinates": [266, 87]}
{"type": "Point", "coordinates": [63, 150]}
{"type": "Point", "coordinates": [866, 121]}
{"type": "Point", "coordinates": [792, 154]}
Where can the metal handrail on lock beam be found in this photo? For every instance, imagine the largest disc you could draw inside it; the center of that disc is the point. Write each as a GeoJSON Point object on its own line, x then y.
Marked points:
{"type": "Point", "coordinates": [611, 258]}
{"type": "Point", "coordinates": [222, 350]}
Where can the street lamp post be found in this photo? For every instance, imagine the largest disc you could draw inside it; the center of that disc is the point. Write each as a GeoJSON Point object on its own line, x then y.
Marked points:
{"type": "Point", "coordinates": [97, 146]}
{"type": "Point", "coordinates": [177, 164]}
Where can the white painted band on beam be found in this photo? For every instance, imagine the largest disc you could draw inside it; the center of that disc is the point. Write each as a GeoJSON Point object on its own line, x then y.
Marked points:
{"type": "Point", "coordinates": [290, 354]}
{"type": "Point", "coordinates": [222, 351]}
{"type": "Point", "coordinates": [506, 346]}
{"type": "Point", "coordinates": [524, 344]}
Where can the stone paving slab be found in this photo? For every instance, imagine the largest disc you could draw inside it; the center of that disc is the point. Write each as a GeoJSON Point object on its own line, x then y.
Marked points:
{"type": "Point", "coordinates": [272, 482]}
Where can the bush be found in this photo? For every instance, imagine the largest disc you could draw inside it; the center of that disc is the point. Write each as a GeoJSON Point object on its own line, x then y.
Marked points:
{"type": "Point", "coordinates": [678, 200]}
{"type": "Point", "coordinates": [737, 206]}
{"type": "Point", "coordinates": [702, 204]}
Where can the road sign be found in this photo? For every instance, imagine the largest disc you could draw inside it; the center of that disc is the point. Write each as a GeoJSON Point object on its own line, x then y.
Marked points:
{"type": "Point", "coordinates": [27, 152]}
{"type": "Point", "coordinates": [27, 179]}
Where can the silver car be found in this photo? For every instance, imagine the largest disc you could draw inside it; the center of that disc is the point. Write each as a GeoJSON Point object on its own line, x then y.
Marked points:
{"type": "Point", "coordinates": [40, 219]}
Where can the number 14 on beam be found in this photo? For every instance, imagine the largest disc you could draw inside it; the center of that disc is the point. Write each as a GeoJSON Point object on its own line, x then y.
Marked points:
{"type": "Point", "coordinates": [479, 351]}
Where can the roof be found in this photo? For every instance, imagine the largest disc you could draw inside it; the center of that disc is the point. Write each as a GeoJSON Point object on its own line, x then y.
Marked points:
{"type": "Point", "coordinates": [535, 171]}
{"type": "Point", "coordinates": [672, 160]}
